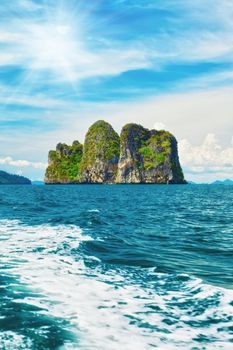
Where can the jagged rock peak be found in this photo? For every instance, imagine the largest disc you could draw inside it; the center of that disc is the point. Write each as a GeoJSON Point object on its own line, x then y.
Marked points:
{"type": "Point", "coordinates": [64, 163]}
{"type": "Point", "coordinates": [148, 156]}
{"type": "Point", "coordinates": [100, 154]}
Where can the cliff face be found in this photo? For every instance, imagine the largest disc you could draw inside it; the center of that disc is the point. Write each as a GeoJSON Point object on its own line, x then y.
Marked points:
{"type": "Point", "coordinates": [130, 169]}
{"type": "Point", "coordinates": [148, 157]}
{"type": "Point", "coordinates": [64, 164]}
{"type": "Point", "coordinates": [139, 155]}
{"type": "Point", "coordinates": [100, 154]}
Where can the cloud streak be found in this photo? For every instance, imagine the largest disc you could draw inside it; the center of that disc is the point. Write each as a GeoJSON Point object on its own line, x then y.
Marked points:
{"type": "Point", "coordinates": [64, 42]}
{"type": "Point", "coordinates": [22, 163]}
{"type": "Point", "coordinates": [55, 44]}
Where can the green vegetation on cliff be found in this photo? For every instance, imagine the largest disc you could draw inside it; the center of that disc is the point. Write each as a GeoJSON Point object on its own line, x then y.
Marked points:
{"type": "Point", "coordinates": [153, 146]}
{"type": "Point", "coordinates": [139, 155]}
{"type": "Point", "coordinates": [148, 156]}
{"type": "Point", "coordinates": [100, 154]}
{"type": "Point", "coordinates": [64, 163]}
{"type": "Point", "coordinates": [136, 133]}
{"type": "Point", "coordinates": [156, 150]}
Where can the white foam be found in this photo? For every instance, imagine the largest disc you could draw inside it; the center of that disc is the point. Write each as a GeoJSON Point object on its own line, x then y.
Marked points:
{"type": "Point", "coordinates": [11, 341]}
{"type": "Point", "coordinates": [110, 310]}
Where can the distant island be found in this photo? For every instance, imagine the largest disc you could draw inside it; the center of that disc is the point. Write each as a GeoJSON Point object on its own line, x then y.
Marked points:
{"type": "Point", "coordinates": [10, 179]}
{"type": "Point", "coordinates": [226, 182]}
{"type": "Point", "coordinates": [138, 155]}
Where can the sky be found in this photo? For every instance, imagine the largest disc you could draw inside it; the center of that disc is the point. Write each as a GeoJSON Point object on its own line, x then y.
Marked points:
{"type": "Point", "coordinates": [165, 64]}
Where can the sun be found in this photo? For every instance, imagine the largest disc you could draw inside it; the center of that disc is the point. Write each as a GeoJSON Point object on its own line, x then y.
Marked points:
{"type": "Point", "coordinates": [53, 47]}
{"type": "Point", "coordinates": [53, 42]}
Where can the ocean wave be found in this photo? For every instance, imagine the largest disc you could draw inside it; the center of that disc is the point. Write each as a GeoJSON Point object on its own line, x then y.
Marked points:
{"type": "Point", "coordinates": [102, 306]}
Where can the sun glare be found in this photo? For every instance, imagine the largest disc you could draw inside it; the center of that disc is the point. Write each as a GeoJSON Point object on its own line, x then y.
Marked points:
{"type": "Point", "coordinates": [53, 47]}
{"type": "Point", "coordinates": [53, 44]}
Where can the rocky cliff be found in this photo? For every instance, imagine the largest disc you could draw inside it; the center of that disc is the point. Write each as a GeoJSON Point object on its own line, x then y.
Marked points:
{"type": "Point", "coordinates": [148, 156]}
{"type": "Point", "coordinates": [100, 154]}
{"type": "Point", "coordinates": [64, 164]}
{"type": "Point", "coordinates": [139, 155]}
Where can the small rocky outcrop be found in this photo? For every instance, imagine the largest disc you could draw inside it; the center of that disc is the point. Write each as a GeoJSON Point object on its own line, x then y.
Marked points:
{"type": "Point", "coordinates": [100, 154]}
{"type": "Point", "coordinates": [148, 156]}
{"type": "Point", "coordinates": [64, 164]}
{"type": "Point", "coordinates": [139, 155]}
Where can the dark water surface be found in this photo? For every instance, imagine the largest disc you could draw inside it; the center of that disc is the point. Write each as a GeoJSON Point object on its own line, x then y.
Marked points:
{"type": "Point", "coordinates": [116, 267]}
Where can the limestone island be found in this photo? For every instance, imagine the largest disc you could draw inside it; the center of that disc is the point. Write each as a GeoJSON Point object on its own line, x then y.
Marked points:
{"type": "Point", "coordinates": [137, 156]}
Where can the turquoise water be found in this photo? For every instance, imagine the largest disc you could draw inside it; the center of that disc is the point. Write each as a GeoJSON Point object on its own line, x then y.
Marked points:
{"type": "Point", "coordinates": [116, 267]}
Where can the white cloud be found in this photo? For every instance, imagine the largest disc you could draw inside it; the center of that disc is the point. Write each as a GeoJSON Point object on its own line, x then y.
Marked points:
{"type": "Point", "coordinates": [29, 5]}
{"type": "Point", "coordinates": [188, 115]}
{"type": "Point", "coordinates": [39, 101]}
{"type": "Point", "coordinates": [159, 126]}
{"type": "Point", "coordinates": [208, 158]}
{"type": "Point", "coordinates": [201, 32]}
{"type": "Point", "coordinates": [204, 47]}
{"type": "Point", "coordinates": [7, 58]}
{"type": "Point", "coordinates": [22, 163]}
{"type": "Point", "coordinates": [6, 36]}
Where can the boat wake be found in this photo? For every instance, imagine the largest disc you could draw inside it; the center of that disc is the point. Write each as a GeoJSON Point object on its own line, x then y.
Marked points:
{"type": "Point", "coordinates": [54, 296]}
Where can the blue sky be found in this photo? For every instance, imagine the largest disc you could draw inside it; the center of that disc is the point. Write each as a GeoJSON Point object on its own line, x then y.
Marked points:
{"type": "Point", "coordinates": [65, 64]}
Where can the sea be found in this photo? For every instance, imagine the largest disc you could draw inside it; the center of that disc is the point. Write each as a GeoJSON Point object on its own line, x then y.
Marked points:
{"type": "Point", "coordinates": [109, 267]}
